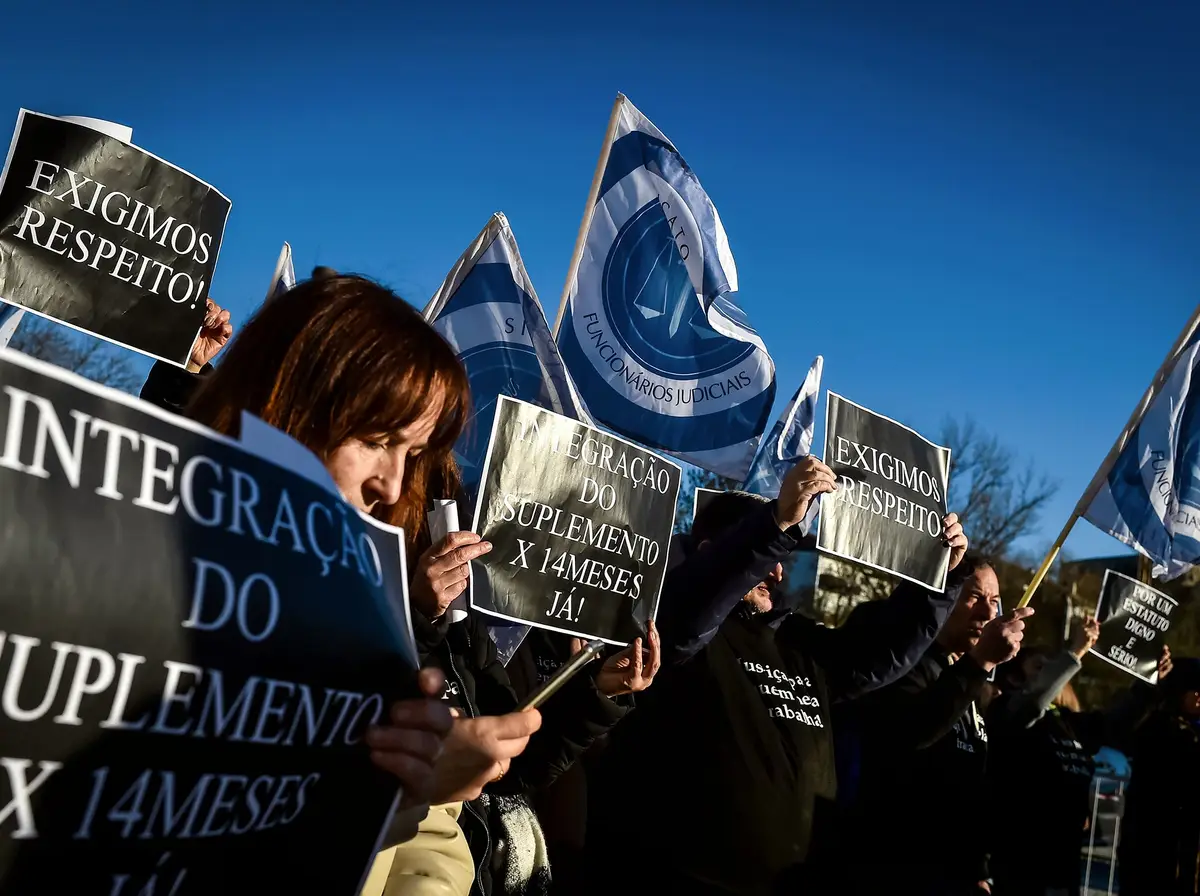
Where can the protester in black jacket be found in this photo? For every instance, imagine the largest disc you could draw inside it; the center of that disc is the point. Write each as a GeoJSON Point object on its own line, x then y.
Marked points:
{"type": "Point", "coordinates": [1040, 749]}
{"type": "Point", "coordinates": [1039, 756]}
{"type": "Point", "coordinates": [1159, 852]}
{"type": "Point", "coordinates": [922, 802]}
{"type": "Point", "coordinates": [733, 743]}
{"type": "Point", "coordinates": [580, 712]}
{"type": "Point", "coordinates": [561, 807]}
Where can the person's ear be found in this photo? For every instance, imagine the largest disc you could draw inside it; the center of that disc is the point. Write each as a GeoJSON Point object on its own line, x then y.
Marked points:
{"type": "Point", "coordinates": [703, 545]}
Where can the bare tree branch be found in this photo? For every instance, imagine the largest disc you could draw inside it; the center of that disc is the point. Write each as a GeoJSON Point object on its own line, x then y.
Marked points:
{"type": "Point", "coordinates": [86, 355]}
{"type": "Point", "coordinates": [998, 500]}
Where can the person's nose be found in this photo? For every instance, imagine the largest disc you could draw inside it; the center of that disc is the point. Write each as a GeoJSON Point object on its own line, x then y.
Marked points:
{"type": "Point", "coordinates": [390, 478]}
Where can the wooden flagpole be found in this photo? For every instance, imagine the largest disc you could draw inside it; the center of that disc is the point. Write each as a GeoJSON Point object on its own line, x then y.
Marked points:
{"type": "Point", "coordinates": [593, 195]}
{"type": "Point", "coordinates": [1160, 378]}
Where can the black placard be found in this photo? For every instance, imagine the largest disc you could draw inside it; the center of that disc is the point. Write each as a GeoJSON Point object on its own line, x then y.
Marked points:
{"type": "Point", "coordinates": [579, 520]}
{"type": "Point", "coordinates": [887, 512]}
{"type": "Point", "coordinates": [106, 237]}
{"type": "Point", "coordinates": [1134, 621]}
{"type": "Point", "coordinates": [194, 640]}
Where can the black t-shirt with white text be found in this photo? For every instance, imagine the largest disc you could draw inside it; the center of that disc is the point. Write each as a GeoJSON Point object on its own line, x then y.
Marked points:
{"type": "Point", "coordinates": [738, 736]}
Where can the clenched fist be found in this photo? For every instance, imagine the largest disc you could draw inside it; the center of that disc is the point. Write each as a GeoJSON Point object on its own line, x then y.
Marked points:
{"type": "Point", "coordinates": [1001, 639]}
{"type": "Point", "coordinates": [803, 482]}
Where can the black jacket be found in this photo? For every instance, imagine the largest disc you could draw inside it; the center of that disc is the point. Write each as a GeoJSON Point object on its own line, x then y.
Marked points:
{"type": "Point", "coordinates": [921, 800]}
{"type": "Point", "coordinates": [477, 684]}
{"type": "Point", "coordinates": [1159, 853]}
{"type": "Point", "coordinates": [714, 780]}
{"type": "Point", "coordinates": [1040, 760]}
{"type": "Point", "coordinates": [171, 387]}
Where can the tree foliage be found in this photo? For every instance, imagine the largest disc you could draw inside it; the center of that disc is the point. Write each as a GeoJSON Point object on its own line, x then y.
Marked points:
{"type": "Point", "coordinates": [88, 356]}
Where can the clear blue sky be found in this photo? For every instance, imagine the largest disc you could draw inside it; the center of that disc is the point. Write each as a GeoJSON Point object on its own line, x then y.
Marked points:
{"type": "Point", "coordinates": [967, 211]}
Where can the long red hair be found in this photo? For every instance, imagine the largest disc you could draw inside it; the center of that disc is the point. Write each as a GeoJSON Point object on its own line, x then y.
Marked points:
{"type": "Point", "coordinates": [341, 357]}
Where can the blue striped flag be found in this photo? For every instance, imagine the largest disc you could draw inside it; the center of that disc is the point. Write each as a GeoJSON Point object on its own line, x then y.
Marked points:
{"type": "Point", "coordinates": [10, 319]}
{"type": "Point", "coordinates": [790, 438]}
{"type": "Point", "coordinates": [489, 312]}
{"type": "Point", "coordinates": [284, 277]}
{"type": "Point", "coordinates": [1147, 493]}
{"type": "Point", "coordinates": [649, 327]}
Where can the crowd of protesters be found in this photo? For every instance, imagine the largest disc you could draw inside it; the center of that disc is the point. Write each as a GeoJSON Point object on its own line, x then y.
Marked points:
{"type": "Point", "coordinates": [741, 747]}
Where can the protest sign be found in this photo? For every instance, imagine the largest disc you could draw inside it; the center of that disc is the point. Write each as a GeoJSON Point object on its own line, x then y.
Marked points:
{"type": "Point", "coordinates": [579, 521]}
{"type": "Point", "coordinates": [192, 643]}
{"type": "Point", "coordinates": [1134, 619]}
{"type": "Point", "coordinates": [887, 511]}
{"type": "Point", "coordinates": [105, 237]}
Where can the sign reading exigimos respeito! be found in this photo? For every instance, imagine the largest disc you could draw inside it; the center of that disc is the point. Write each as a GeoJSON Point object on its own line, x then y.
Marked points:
{"type": "Point", "coordinates": [888, 509]}
{"type": "Point", "coordinates": [106, 237]}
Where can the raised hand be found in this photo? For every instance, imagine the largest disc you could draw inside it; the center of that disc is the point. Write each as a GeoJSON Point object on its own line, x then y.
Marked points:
{"type": "Point", "coordinates": [1164, 663]}
{"type": "Point", "coordinates": [214, 333]}
{"type": "Point", "coordinates": [1001, 638]}
{"type": "Point", "coordinates": [631, 670]}
{"type": "Point", "coordinates": [955, 539]}
{"type": "Point", "coordinates": [443, 572]}
{"type": "Point", "coordinates": [1084, 637]}
{"type": "Point", "coordinates": [803, 482]}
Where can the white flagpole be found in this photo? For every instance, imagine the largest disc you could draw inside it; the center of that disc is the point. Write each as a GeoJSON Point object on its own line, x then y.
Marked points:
{"type": "Point", "coordinates": [593, 195]}
{"type": "Point", "coordinates": [284, 254]}
{"type": "Point", "coordinates": [1160, 379]}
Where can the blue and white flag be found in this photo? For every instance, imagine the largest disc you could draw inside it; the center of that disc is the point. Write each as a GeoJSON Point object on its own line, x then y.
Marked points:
{"type": "Point", "coordinates": [1148, 492]}
{"type": "Point", "coordinates": [650, 332]}
{"type": "Point", "coordinates": [10, 319]}
{"type": "Point", "coordinates": [489, 312]}
{"type": "Point", "coordinates": [284, 277]}
{"type": "Point", "coordinates": [790, 439]}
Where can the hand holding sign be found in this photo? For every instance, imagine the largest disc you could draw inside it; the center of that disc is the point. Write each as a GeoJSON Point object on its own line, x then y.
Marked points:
{"type": "Point", "coordinates": [1001, 639]}
{"type": "Point", "coordinates": [214, 333]}
{"type": "Point", "coordinates": [809, 478]}
{"type": "Point", "coordinates": [955, 538]}
{"type": "Point", "coordinates": [1084, 637]}
{"type": "Point", "coordinates": [631, 670]}
{"type": "Point", "coordinates": [444, 570]}
{"type": "Point", "coordinates": [1164, 663]}
{"type": "Point", "coordinates": [412, 743]}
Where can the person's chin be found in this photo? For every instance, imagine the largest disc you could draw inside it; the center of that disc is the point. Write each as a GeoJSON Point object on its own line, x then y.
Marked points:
{"type": "Point", "coordinates": [761, 602]}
